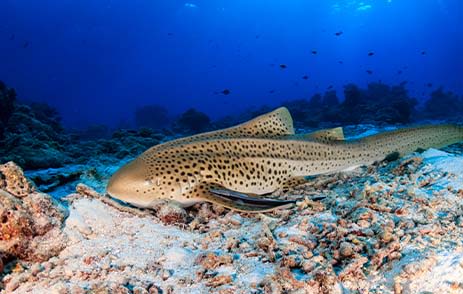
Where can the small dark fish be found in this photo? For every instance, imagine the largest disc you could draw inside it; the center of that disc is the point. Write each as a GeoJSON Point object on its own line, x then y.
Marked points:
{"type": "Point", "coordinates": [423, 52]}
{"type": "Point", "coordinates": [370, 72]}
{"type": "Point", "coordinates": [314, 52]}
{"type": "Point", "coordinates": [371, 53]}
{"type": "Point", "coordinates": [283, 66]}
{"type": "Point", "coordinates": [271, 91]}
{"type": "Point", "coordinates": [403, 83]}
{"type": "Point", "coordinates": [170, 34]}
{"type": "Point", "coordinates": [399, 72]}
{"type": "Point", "coordinates": [12, 37]}
{"type": "Point", "coordinates": [26, 44]}
{"type": "Point", "coordinates": [330, 87]}
{"type": "Point", "coordinates": [338, 33]}
{"type": "Point", "coordinates": [226, 92]}
{"type": "Point", "coordinates": [257, 36]}
{"type": "Point", "coordinates": [341, 62]}
{"type": "Point", "coordinates": [429, 85]}
{"type": "Point", "coordinates": [305, 77]}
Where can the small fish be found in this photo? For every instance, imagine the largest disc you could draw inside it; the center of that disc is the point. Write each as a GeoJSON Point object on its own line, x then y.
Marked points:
{"type": "Point", "coordinates": [341, 62]}
{"type": "Point", "coordinates": [12, 37]}
{"type": "Point", "coordinates": [271, 91]}
{"type": "Point", "coordinates": [330, 87]}
{"type": "Point", "coordinates": [370, 72]}
{"type": "Point", "coordinates": [170, 34]}
{"type": "Point", "coordinates": [257, 36]}
{"type": "Point", "coordinates": [26, 44]}
{"type": "Point", "coordinates": [338, 33]}
{"type": "Point", "coordinates": [429, 85]}
{"type": "Point", "coordinates": [403, 83]}
{"type": "Point", "coordinates": [399, 72]}
{"type": "Point", "coordinates": [283, 66]}
{"type": "Point", "coordinates": [423, 52]}
{"type": "Point", "coordinates": [305, 77]}
{"type": "Point", "coordinates": [371, 53]}
{"type": "Point", "coordinates": [226, 92]}
{"type": "Point", "coordinates": [314, 52]}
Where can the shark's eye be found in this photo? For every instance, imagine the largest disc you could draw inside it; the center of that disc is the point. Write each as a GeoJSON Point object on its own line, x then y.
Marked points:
{"type": "Point", "coordinates": [152, 182]}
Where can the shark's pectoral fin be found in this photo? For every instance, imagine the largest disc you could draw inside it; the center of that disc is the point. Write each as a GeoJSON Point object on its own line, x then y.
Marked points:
{"type": "Point", "coordinates": [239, 201]}
{"type": "Point", "coordinates": [233, 195]}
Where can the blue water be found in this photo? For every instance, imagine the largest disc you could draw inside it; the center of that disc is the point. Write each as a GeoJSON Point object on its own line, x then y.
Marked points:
{"type": "Point", "coordinates": [98, 60]}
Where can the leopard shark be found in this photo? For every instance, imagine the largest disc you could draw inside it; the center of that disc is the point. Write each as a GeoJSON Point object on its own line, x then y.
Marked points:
{"type": "Point", "coordinates": [241, 166]}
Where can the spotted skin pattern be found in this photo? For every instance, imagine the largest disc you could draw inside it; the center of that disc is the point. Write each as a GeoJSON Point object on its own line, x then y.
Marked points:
{"type": "Point", "coordinates": [257, 158]}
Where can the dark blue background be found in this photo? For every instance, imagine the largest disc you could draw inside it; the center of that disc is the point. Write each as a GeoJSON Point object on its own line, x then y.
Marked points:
{"type": "Point", "coordinates": [97, 60]}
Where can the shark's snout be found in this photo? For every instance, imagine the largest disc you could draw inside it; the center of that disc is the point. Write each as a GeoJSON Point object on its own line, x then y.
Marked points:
{"type": "Point", "coordinates": [129, 183]}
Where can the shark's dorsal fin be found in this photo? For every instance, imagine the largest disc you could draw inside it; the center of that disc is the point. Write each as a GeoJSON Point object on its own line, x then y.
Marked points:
{"type": "Point", "coordinates": [277, 123]}
{"type": "Point", "coordinates": [336, 134]}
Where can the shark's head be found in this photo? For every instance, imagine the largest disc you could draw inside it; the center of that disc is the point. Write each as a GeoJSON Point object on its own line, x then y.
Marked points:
{"type": "Point", "coordinates": [143, 185]}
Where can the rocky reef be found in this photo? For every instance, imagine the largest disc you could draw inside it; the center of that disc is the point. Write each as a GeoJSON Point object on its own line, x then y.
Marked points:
{"type": "Point", "coordinates": [443, 105]}
{"type": "Point", "coordinates": [30, 221]}
{"type": "Point", "coordinates": [377, 104]}
{"type": "Point", "coordinates": [31, 135]}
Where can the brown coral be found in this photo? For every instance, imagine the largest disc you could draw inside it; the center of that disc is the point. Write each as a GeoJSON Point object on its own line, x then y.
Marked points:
{"type": "Point", "coordinates": [30, 222]}
{"type": "Point", "coordinates": [13, 181]}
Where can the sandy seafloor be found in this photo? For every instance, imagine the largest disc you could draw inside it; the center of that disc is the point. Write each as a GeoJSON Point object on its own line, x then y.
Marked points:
{"type": "Point", "coordinates": [395, 227]}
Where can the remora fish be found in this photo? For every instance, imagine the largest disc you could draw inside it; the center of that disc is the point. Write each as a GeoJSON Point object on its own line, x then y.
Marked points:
{"type": "Point", "coordinates": [236, 167]}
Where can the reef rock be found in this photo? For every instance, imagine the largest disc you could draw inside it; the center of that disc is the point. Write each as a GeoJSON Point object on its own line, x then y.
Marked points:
{"type": "Point", "coordinates": [7, 102]}
{"type": "Point", "coordinates": [32, 141]}
{"type": "Point", "coordinates": [30, 221]}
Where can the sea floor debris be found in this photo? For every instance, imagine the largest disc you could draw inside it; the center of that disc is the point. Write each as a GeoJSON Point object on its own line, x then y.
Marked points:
{"type": "Point", "coordinates": [395, 227]}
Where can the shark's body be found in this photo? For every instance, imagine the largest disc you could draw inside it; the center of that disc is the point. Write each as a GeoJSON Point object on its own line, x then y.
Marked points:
{"type": "Point", "coordinates": [235, 167]}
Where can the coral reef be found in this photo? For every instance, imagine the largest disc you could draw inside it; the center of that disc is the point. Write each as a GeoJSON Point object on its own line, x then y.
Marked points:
{"type": "Point", "coordinates": [443, 105]}
{"type": "Point", "coordinates": [7, 102]}
{"type": "Point", "coordinates": [33, 137]}
{"type": "Point", "coordinates": [30, 221]}
{"type": "Point", "coordinates": [93, 132]}
{"type": "Point", "coordinates": [192, 121]}
{"type": "Point", "coordinates": [379, 103]}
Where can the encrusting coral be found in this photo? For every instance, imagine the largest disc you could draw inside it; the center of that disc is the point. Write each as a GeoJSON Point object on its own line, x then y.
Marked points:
{"type": "Point", "coordinates": [30, 221]}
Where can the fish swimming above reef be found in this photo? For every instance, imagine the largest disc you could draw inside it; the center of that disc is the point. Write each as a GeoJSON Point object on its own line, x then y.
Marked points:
{"type": "Point", "coordinates": [239, 166]}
